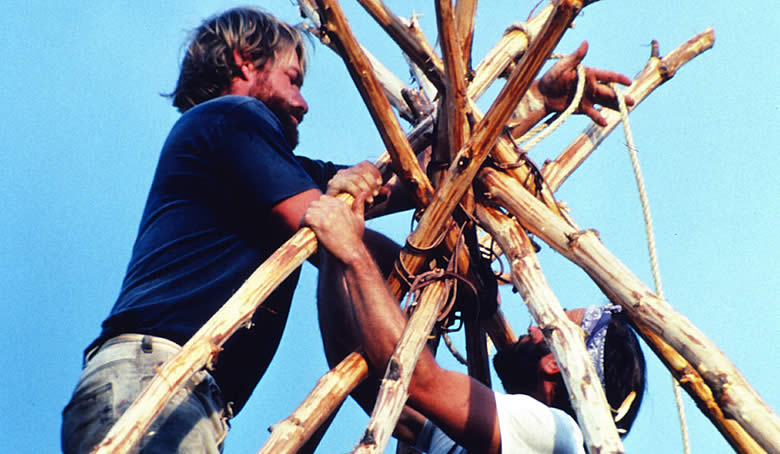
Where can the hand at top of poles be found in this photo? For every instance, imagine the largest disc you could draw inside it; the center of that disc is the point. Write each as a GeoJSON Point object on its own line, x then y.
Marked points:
{"type": "Point", "coordinates": [362, 178]}
{"type": "Point", "coordinates": [558, 85]}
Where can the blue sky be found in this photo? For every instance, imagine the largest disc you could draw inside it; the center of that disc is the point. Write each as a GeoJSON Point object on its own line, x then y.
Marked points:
{"type": "Point", "coordinates": [82, 123]}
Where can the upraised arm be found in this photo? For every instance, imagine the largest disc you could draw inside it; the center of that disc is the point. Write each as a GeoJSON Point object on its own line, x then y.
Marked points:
{"type": "Point", "coordinates": [555, 91]}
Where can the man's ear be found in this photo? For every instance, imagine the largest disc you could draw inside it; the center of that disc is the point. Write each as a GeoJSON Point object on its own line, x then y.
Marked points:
{"type": "Point", "coordinates": [242, 64]}
{"type": "Point", "coordinates": [548, 365]}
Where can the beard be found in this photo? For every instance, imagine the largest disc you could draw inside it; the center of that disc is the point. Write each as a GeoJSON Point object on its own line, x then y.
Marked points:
{"type": "Point", "coordinates": [520, 374]}
{"type": "Point", "coordinates": [291, 132]}
{"type": "Point", "coordinates": [289, 127]}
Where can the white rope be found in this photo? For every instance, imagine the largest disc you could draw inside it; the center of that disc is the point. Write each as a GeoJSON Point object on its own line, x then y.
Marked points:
{"type": "Point", "coordinates": [650, 246]}
{"type": "Point", "coordinates": [561, 118]}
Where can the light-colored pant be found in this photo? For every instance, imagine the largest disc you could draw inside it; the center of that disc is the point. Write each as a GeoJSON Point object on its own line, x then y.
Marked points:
{"type": "Point", "coordinates": [194, 420]}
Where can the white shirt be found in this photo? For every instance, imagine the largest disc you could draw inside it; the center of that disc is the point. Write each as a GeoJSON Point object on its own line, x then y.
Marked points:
{"type": "Point", "coordinates": [527, 427]}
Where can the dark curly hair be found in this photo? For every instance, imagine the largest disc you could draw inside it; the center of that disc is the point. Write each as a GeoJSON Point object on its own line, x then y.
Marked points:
{"type": "Point", "coordinates": [624, 371]}
{"type": "Point", "coordinates": [209, 66]}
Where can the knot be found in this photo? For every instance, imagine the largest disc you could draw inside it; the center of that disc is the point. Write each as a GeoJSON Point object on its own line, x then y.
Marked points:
{"type": "Point", "coordinates": [427, 278]}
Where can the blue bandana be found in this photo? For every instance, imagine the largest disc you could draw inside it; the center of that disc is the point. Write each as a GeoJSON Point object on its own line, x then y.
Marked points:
{"type": "Point", "coordinates": [594, 323]}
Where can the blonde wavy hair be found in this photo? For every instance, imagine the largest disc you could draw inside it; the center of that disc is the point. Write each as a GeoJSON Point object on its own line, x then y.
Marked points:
{"type": "Point", "coordinates": [208, 66]}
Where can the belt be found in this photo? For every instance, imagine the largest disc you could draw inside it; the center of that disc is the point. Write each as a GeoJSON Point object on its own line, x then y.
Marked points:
{"type": "Point", "coordinates": [156, 344]}
{"type": "Point", "coordinates": [148, 344]}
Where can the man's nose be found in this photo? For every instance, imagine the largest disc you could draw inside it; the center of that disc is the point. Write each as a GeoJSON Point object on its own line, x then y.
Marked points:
{"type": "Point", "coordinates": [300, 104]}
{"type": "Point", "coordinates": [536, 334]}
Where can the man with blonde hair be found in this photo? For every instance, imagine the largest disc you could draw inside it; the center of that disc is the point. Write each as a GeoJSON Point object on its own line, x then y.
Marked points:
{"type": "Point", "coordinates": [227, 192]}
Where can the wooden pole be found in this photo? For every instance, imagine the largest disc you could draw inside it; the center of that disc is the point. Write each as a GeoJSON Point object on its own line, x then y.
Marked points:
{"type": "Point", "coordinates": [416, 49]}
{"type": "Point", "coordinates": [735, 396]}
{"type": "Point", "coordinates": [511, 46]}
{"type": "Point", "coordinates": [404, 160]}
{"type": "Point", "coordinates": [395, 385]}
{"type": "Point", "coordinates": [465, 16]}
{"type": "Point", "coordinates": [564, 337]}
{"type": "Point", "coordinates": [435, 218]}
{"type": "Point", "coordinates": [694, 384]}
{"type": "Point", "coordinates": [289, 435]}
{"type": "Point", "coordinates": [455, 78]}
{"type": "Point", "coordinates": [204, 346]}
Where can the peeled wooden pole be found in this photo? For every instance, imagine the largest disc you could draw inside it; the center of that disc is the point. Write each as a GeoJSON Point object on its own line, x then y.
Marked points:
{"type": "Point", "coordinates": [564, 337]}
{"type": "Point", "coordinates": [436, 218]}
{"type": "Point", "coordinates": [335, 24]}
{"type": "Point", "coordinates": [455, 77]}
{"type": "Point", "coordinates": [395, 385]}
{"type": "Point", "coordinates": [504, 153]}
{"type": "Point", "coordinates": [694, 384]}
{"type": "Point", "coordinates": [403, 158]}
{"type": "Point", "coordinates": [289, 435]}
{"type": "Point", "coordinates": [414, 48]}
{"type": "Point", "coordinates": [465, 16]}
{"type": "Point", "coordinates": [735, 396]}
{"type": "Point", "coordinates": [393, 87]}
{"type": "Point", "coordinates": [657, 71]}
{"type": "Point", "coordinates": [204, 346]}
{"type": "Point", "coordinates": [509, 48]}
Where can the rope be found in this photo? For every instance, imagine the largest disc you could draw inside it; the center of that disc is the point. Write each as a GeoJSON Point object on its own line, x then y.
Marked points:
{"type": "Point", "coordinates": [563, 116]}
{"type": "Point", "coordinates": [651, 247]}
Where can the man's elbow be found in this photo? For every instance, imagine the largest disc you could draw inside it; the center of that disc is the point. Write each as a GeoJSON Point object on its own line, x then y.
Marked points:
{"type": "Point", "coordinates": [426, 379]}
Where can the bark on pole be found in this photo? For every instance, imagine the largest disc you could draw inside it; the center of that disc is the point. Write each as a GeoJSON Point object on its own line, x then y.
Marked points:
{"type": "Point", "coordinates": [735, 396]}
{"type": "Point", "coordinates": [564, 337]}
{"type": "Point", "coordinates": [330, 391]}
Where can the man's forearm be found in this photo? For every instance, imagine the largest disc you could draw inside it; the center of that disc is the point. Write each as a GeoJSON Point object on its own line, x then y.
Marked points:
{"type": "Point", "coordinates": [530, 111]}
{"type": "Point", "coordinates": [380, 320]}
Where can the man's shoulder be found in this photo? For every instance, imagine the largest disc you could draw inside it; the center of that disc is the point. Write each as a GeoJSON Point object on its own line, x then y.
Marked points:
{"type": "Point", "coordinates": [230, 104]}
{"type": "Point", "coordinates": [517, 404]}
{"type": "Point", "coordinates": [230, 113]}
{"type": "Point", "coordinates": [528, 425]}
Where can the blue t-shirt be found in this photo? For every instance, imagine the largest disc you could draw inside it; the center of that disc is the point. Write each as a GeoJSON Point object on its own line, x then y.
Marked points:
{"type": "Point", "coordinates": [207, 226]}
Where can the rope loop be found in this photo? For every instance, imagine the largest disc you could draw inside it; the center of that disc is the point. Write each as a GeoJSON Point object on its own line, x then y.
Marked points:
{"type": "Point", "coordinates": [422, 280]}
{"type": "Point", "coordinates": [575, 102]}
